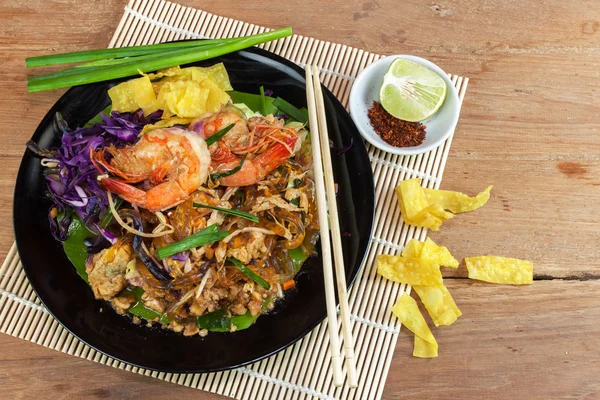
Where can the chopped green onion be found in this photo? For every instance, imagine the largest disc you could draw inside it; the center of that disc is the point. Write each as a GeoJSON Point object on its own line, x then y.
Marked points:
{"type": "Point", "coordinates": [249, 273]}
{"type": "Point", "coordinates": [108, 216]}
{"type": "Point", "coordinates": [139, 309]}
{"type": "Point", "coordinates": [103, 54]}
{"type": "Point", "coordinates": [263, 103]}
{"type": "Point", "coordinates": [235, 213]}
{"type": "Point", "coordinates": [231, 171]}
{"type": "Point", "coordinates": [163, 59]}
{"type": "Point", "coordinates": [219, 134]}
{"type": "Point", "coordinates": [220, 321]}
{"type": "Point", "coordinates": [290, 110]}
{"type": "Point", "coordinates": [207, 235]}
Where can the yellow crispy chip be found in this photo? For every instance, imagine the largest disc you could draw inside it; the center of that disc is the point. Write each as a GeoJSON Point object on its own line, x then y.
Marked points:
{"type": "Point", "coordinates": [412, 198]}
{"type": "Point", "coordinates": [166, 123]}
{"type": "Point", "coordinates": [217, 73]}
{"type": "Point", "coordinates": [424, 349]}
{"type": "Point", "coordinates": [438, 254]}
{"type": "Point", "coordinates": [494, 269]}
{"type": "Point", "coordinates": [216, 97]}
{"type": "Point", "coordinates": [188, 92]}
{"type": "Point", "coordinates": [412, 271]}
{"type": "Point", "coordinates": [439, 303]}
{"type": "Point", "coordinates": [132, 95]}
{"type": "Point", "coordinates": [416, 209]}
{"type": "Point", "coordinates": [430, 252]}
{"type": "Point", "coordinates": [426, 208]}
{"type": "Point", "coordinates": [407, 311]}
{"type": "Point", "coordinates": [413, 249]}
{"type": "Point", "coordinates": [455, 201]}
{"type": "Point", "coordinates": [182, 98]}
{"type": "Point", "coordinates": [173, 71]}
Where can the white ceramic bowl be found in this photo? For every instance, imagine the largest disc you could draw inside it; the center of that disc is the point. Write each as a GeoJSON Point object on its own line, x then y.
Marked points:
{"type": "Point", "coordinates": [366, 90]}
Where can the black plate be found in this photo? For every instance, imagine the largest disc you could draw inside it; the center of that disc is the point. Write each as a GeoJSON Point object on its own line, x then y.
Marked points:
{"type": "Point", "coordinates": [71, 300]}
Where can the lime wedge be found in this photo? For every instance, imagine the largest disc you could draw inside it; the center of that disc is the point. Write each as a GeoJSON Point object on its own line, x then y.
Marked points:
{"type": "Point", "coordinates": [411, 91]}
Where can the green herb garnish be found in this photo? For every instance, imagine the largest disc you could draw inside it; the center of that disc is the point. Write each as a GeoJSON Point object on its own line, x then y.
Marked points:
{"type": "Point", "coordinates": [249, 273]}
{"type": "Point", "coordinates": [207, 235]}
{"type": "Point", "coordinates": [235, 213]}
{"type": "Point", "coordinates": [290, 110]}
{"type": "Point", "coordinates": [137, 59]}
{"type": "Point", "coordinates": [231, 171]}
{"type": "Point", "coordinates": [263, 103]}
{"type": "Point", "coordinates": [219, 134]}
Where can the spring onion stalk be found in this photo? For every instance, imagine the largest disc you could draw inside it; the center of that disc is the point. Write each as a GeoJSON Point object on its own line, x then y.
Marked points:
{"type": "Point", "coordinates": [235, 213]}
{"type": "Point", "coordinates": [249, 273]}
{"type": "Point", "coordinates": [103, 54]}
{"type": "Point", "coordinates": [263, 103]}
{"type": "Point", "coordinates": [124, 60]}
{"type": "Point", "coordinates": [231, 171]}
{"type": "Point", "coordinates": [78, 70]}
{"type": "Point", "coordinates": [219, 134]}
{"type": "Point", "coordinates": [290, 110]}
{"type": "Point", "coordinates": [207, 235]}
{"type": "Point", "coordinates": [81, 76]}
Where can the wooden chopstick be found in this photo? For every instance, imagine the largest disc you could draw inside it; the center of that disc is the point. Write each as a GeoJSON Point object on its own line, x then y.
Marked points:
{"type": "Point", "coordinates": [340, 270]}
{"type": "Point", "coordinates": [332, 322]}
{"type": "Point", "coordinates": [320, 142]}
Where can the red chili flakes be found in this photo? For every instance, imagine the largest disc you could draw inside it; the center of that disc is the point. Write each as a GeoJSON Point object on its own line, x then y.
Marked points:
{"type": "Point", "coordinates": [397, 132]}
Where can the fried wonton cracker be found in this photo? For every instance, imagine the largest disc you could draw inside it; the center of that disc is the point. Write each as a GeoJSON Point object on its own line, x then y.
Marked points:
{"type": "Point", "coordinates": [186, 99]}
{"type": "Point", "coordinates": [407, 311]}
{"type": "Point", "coordinates": [439, 304]}
{"type": "Point", "coordinates": [183, 92]}
{"type": "Point", "coordinates": [457, 202]}
{"type": "Point", "coordinates": [409, 270]}
{"type": "Point", "coordinates": [430, 252]}
{"type": "Point", "coordinates": [428, 208]}
{"type": "Point", "coordinates": [166, 123]}
{"type": "Point", "coordinates": [504, 270]}
{"type": "Point", "coordinates": [424, 349]}
{"type": "Point", "coordinates": [132, 95]}
{"type": "Point", "coordinates": [416, 209]}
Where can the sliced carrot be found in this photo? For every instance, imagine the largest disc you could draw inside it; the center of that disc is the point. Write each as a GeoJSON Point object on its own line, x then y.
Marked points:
{"type": "Point", "coordinates": [287, 285]}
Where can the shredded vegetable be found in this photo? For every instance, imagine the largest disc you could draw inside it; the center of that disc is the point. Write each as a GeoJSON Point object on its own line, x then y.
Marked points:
{"type": "Point", "coordinates": [72, 182]}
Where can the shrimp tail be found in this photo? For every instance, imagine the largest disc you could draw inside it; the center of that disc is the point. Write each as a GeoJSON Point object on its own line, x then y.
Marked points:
{"type": "Point", "coordinates": [125, 191]}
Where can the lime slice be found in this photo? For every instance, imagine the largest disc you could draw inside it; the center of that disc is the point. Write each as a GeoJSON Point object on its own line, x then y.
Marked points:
{"type": "Point", "coordinates": [411, 91]}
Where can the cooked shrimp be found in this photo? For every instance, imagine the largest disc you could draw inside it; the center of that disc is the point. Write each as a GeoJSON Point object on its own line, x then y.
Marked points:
{"type": "Point", "coordinates": [266, 145]}
{"type": "Point", "coordinates": [174, 160]}
{"type": "Point", "coordinates": [255, 169]}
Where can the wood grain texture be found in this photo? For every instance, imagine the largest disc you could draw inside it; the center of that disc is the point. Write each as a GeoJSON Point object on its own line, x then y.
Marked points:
{"type": "Point", "coordinates": [529, 126]}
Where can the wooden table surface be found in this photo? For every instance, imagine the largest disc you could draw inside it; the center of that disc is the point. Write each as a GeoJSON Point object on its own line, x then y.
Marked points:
{"type": "Point", "coordinates": [529, 126]}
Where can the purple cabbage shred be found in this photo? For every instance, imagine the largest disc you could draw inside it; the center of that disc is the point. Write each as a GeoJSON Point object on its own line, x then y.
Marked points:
{"type": "Point", "coordinates": [345, 149]}
{"type": "Point", "coordinates": [182, 256]}
{"type": "Point", "coordinates": [71, 177]}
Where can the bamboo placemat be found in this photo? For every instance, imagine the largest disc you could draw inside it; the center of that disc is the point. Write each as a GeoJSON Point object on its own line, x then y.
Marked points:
{"type": "Point", "coordinates": [303, 370]}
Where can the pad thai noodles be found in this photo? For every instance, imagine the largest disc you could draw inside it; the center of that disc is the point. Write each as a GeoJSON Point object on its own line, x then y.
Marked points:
{"type": "Point", "coordinates": [187, 205]}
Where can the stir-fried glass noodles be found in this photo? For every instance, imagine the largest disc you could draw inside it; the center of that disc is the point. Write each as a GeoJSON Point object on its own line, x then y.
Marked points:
{"type": "Point", "coordinates": [199, 220]}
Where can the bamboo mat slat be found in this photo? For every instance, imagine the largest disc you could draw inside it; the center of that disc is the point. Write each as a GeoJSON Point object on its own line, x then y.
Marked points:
{"type": "Point", "coordinates": [302, 371]}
